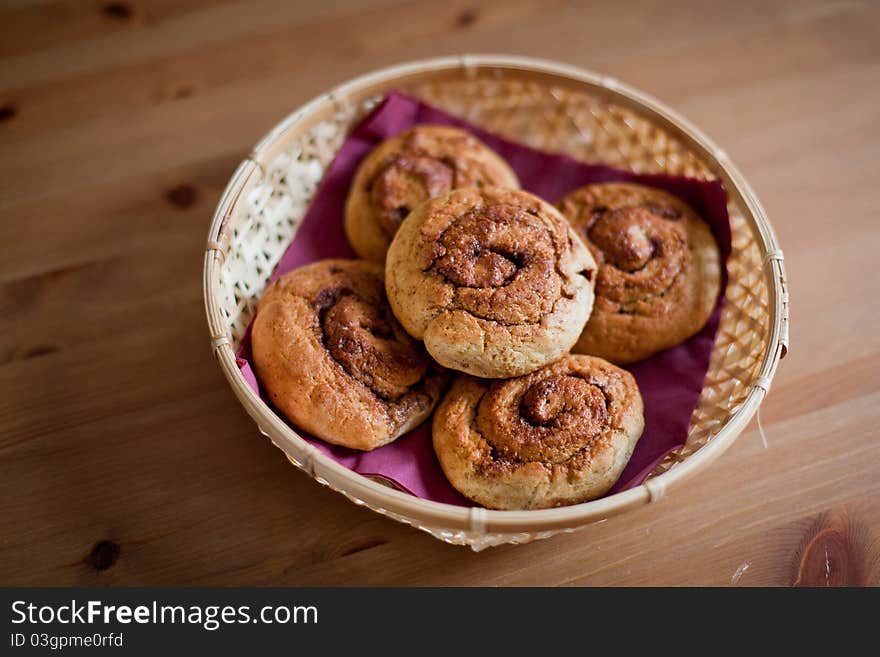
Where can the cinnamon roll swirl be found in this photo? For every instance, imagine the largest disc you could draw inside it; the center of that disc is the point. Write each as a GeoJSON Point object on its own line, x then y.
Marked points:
{"type": "Point", "coordinates": [560, 435]}
{"type": "Point", "coordinates": [494, 281]}
{"type": "Point", "coordinates": [659, 269]}
{"type": "Point", "coordinates": [332, 358]}
{"type": "Point", "coordinates": [404, 171]}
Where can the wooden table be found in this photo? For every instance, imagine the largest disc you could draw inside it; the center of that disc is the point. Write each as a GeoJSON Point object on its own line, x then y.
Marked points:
{"type": "Point", "coordinates": [124, 457]}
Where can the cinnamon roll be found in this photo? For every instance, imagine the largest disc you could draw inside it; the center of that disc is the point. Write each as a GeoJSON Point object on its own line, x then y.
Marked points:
{"type": "Point", "coordinates": [494, 281]}
{"type": "Point", "coordinates": [406, 170]}
{"type": "Point", "coordinates": [560, 435]}
{"type": "Point", "coordinates": [659, 269]}
{"type": "Point", "coordinates": [332, 358]}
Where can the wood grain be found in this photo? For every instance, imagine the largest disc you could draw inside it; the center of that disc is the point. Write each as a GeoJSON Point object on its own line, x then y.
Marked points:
{"type": "Point", "coordinates": [125, 459]}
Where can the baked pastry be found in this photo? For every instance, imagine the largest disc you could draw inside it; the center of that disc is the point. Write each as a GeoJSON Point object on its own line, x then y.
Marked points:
{"type": "Point", "coordinates": [406, 170]}
{"type": "Point", "coordinates": [659, 269]}
{"type": "Point", "coordinates": [330, 356]}
{"type": "Point", "coordinates": [558, 436]}
{"type": "Point", "coordinates": [493, 280]}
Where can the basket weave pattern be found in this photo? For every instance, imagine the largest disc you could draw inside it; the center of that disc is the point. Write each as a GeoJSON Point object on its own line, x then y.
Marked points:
{"type": "Point", "coordinates": [260, 224]}
{"type": "Point", "coordinates": [269, 216]}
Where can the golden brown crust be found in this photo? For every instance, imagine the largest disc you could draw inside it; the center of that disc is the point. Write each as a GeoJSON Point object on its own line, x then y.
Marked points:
{"type": "Point", "coordinates": [659, 269]}
{"type": "Point", "coordinates": [494, 281]}
{"type": "Point", "coordinates": [404, 171]}
{"type": "Point", "coordinates": [330, 355]}
{"type": "Point", "coordinates": [560, 435]}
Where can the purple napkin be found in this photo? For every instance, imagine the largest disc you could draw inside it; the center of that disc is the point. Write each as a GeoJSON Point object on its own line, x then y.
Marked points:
{"type": "Point", "coordinates": [670, 382]}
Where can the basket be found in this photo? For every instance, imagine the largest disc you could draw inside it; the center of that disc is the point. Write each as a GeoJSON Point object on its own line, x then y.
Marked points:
{"type": "Point", "coordinates": [549, 106]}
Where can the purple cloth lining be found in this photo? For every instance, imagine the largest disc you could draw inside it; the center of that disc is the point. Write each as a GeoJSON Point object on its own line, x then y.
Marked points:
{"type": "Point", "coordinates": [670, 382]}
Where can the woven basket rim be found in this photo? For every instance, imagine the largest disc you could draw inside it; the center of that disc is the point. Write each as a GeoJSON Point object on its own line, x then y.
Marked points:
{"type": "Point", "coordinates": [426, 513]}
